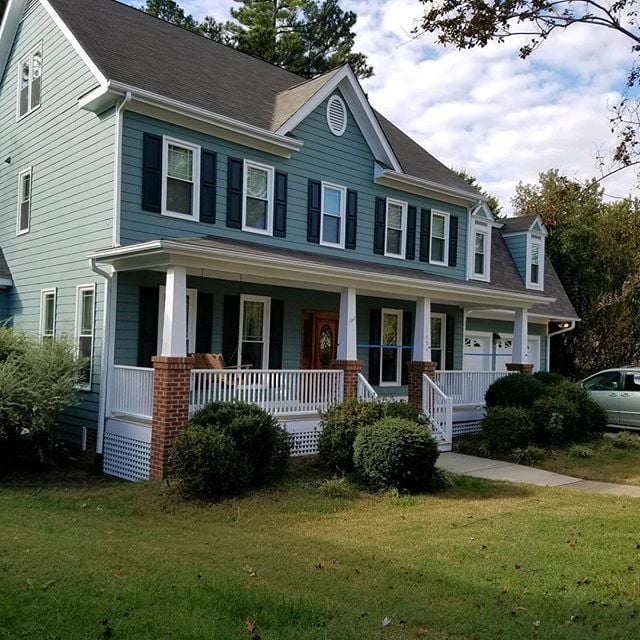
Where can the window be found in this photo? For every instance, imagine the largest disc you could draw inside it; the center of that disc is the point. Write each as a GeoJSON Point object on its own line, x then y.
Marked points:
{"type": "Point", "coordinates": [438, 329]}
{"type": "Point", "coordinates": [85, 322]}
{"type": "Point", "coordinates": [395, 228]}
{"type": "Point", "coordinates": [181, 192]}
{"type": "Point", "coordinates": [632, 382]}
{"type": "Point", "coordinates": [48, 314]}
{"type": "Point", "coordinates": [192, 305]}
{"type": "Point", "coordinates": [480, 254]}
{"type": "Point", "coordinates": [535, 262]}
{"type": "Point", "coordinates": [391, 347]}
{"type": "Point", "coordinates": [29, 82]}
{"type": "Point", "coordinates": [257, 211]}
{"type": "Point", "coordinates": [333, 215]}
{"type": "Point", "coordinates": [253, 347]}
{"type": "Point", "coordinates": [24, 201]}
{"type": "Point", "coordinates": [439, 238]}
{"type": "Point", "coordinates": [606, 381]}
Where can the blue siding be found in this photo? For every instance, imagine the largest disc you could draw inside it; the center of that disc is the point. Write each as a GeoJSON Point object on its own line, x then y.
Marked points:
{"type": "Point", "coordinates": [517, 245]}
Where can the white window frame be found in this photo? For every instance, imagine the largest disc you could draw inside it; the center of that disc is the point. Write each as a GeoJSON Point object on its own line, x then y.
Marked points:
{"type": "Point", "coordinates": [43, 293]}
{"type": "Point", "coordinates": [79, 291]}
{"type": "Point", "coordinates": [195, 196]}
{"type": "Point", "coordinates": [270, 195]}
{"type": "Point", "coordinates": [266, 326]}
{"type": "Point", "coordinates": [398, 348]}
{"type": "Point", "coordinates": [447, 223]}
{"type": "Point", "coordinates": [486, 229]}
{"type": "Point", "coordinates": [343, 214]}
{"type": "Point", "coordinates": [29, 56]}
{"type": "Point", "coordinates": [443, 337]}
{"type": "Point", "coordinates": [403, 229]}
{"type": "Point", "coordinates": [538, 241]}
{"type": "Point", "coordinates": [192, 301]}
{"type": "Point", "coordinates": [28, 171]}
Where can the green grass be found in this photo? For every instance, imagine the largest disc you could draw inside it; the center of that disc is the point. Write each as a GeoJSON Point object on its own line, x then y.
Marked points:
{"type": "Point", "coordinates": [90, 558]}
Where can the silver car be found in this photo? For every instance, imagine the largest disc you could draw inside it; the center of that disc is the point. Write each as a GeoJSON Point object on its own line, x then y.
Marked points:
{"type": "Point", "coordinates": [618, 391]}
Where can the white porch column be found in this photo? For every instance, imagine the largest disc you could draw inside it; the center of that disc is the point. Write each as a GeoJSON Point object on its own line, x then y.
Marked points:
{"type": "Point", "coordinates": [422, 331]}
{"type": "Point", "coordinates": [347, 328]}
{"type": "Point", "coordinates": [520, 337]}
{"type": "Point", "coordinates": [174, 334]}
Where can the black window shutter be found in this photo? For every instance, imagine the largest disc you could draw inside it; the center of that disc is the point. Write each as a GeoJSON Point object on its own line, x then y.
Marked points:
{"type": "Point", "coordinates": [453, 241]}
{"type": "Point", "coordinates": [313, 212]}
{"type": "Point", "coordinates": [410, 252]}
{"type": "Point", "coordinates": [230, 330]}
{"type": "Point", "coordinates": [276, 332]}
{"type": "Point", "coordinates": [234, 194]}
{"type": "Point", "coordinates": [152, 173]}
{"type": "Point", "coordinates": [379, 227]}
{"type": "Point", "coordinates": [280, 206]}
{"type": "Point", "coordinates": [449, 338]}
{"type": "Point", "coordinates": [375, 330]}
{"type": "Point", "coordinates": [352, 220]}
{"type": "Point", "coordinates": [204, 322]}
{"type": "Point", "coordinates": [148, 302]}
{"type": "Point", "coordinates": [207, 187]}
{"type": "Point", "coordinates": [425, 234]}
{"type": "Point", "coordinates": [407, 344]}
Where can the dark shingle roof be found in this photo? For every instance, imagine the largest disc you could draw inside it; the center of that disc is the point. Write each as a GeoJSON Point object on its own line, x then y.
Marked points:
{"type": "Point", "coordinates": [518, 223]}
{"type": "Point", "coordinates": [136, 49]}
{"type": "Point", "coordinates": [4, 267]}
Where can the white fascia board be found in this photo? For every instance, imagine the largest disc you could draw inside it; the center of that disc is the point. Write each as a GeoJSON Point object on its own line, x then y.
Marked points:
{"type": "Point", "coordinates": [5, 283]}
{"type": "Point", "coordinates": [346, 81]}
{"type": "Point", "coordinates": [8, 29]}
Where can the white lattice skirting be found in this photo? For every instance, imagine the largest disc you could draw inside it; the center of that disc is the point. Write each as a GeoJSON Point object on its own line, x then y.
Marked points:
{"type": "Point", "coordinates": [305, 437]}
{"type": "Point", "coordinates": [466, 428]}
{"type": "Point", "coordinates": [127, 450]}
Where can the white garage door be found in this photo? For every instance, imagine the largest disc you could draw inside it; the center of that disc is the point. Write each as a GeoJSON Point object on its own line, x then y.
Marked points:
{"type": "Point", "coordinates": [504, 348]}
{"type": "Point", "coordinates": [477, 353]}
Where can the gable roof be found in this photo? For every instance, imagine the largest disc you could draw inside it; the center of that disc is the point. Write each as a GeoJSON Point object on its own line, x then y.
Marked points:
{"type": "Point", "coordinates": [5, 273]}
{"type": "Point", "coordinates": [522, 224]}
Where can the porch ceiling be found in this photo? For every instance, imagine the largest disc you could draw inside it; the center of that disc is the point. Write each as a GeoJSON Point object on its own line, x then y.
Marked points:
{"type": "Point", "coordinates": [226, 259]}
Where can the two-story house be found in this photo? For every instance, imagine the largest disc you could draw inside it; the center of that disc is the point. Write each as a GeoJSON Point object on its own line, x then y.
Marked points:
{"type": "Point", "coordinates": [163, 195]}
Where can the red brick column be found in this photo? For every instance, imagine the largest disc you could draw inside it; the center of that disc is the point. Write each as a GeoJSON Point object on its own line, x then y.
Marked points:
{"type": "Point", "coordinates": [351, 370]}
{"type": "Point", "coordinates": [416, 371]}
{"type": "Point", "coordinates": [171, 389]}
{"type": "Point", "coordinates": [516, 367]}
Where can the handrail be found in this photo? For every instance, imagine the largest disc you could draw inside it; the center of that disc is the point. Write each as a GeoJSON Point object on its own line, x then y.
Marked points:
{"type": "Point", "coordinates": [131, 393]}
{"type": "Point", "coordinates": [438, 408]}
{"type": "Point", "coordinates": [467, 387]}
{"type": "Point", "coordinates": [365, 390]}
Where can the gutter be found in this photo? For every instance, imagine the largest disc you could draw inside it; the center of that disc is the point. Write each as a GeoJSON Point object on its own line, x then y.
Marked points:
{"type": "Point", "coordinates": [571, 327]}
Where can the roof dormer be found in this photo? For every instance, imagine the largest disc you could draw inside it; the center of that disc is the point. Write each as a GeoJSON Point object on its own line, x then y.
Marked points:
{"type": "Point", "coordinates": [479, 241]}
{"type": "Point", "coordinates": [525, 237]}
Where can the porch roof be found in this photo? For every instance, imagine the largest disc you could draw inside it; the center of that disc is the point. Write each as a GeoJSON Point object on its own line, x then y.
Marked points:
{"type": "Point", "coordinates": [224, 258]}
{"type": "Point", "coordinates": [5, 273]}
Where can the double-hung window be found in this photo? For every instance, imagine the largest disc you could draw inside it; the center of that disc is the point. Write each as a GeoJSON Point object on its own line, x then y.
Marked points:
{"type": "Point", "coordinates": [48, 299]}
{"type": "Point", "coordinates": [480, 254]}
{"type": "Point", "coordinates": [333, 215]}
{"type": "Point", "coordinates": [396, 224]}
{"type": "Point", "coordinates": [535, 268]}
{"type": "Point", "coordinates": [391, 347]}
{"type": "Point", "coordinates": [24, 201]}
{"type": "Point", "coordinates": [439, 241]}
{"type": "Point", "coordinates": [181, 193]}
{"type": "Point", "coordinates": [438, 336]}
{"type": "Point", "coordinates": [535, 263]}
{"type": "Point", "coordinates": [85, 330]}
{"type": "Point", "coordinates": [30, 82]}
{"type": "Point", "coordinates": [257, 208]}
{"type": "Point", "coordinates": [253, 347]}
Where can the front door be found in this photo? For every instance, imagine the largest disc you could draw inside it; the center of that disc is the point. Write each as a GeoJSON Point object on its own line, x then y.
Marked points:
{"type": "Point", "coordinates": [319, 339]}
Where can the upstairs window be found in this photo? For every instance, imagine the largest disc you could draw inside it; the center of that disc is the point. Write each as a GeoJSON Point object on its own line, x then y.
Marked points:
{"type": "Point", "coordinates": [48, 314]}
{"type": "Point", "coordinates": [181, 163]}
{"type": "Point", "coordinates": [85, 322]}
{"type": "Point", "coordinates": [257, 213]}
{"type": "Point", "coordinates": [439, 238]}
{"type": "Point", "coordinates": [24, 201]}
{"type": "Point", "coordinates": [333, 215]}
{"type": "Point", "coordinates": [535, 266]}
{"type": "Point", "coordinates": [29, 82]}
{"type": "Point", "coordinates": [396, 224]}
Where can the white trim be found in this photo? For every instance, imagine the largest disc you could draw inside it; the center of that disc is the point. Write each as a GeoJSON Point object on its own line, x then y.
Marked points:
{"type": "Point", "coordinates": [343, 214]}
{"type": "Point", "coordinates": [447, 224]}
{"type": "Point", "coordinates": [270, 196]}
{"type": "Point", "coordinates": [538, 241]}
{"type": "Point", "coordinates": [398, 348]}
{"type": "Point", "coordinates": [266, 326]}
{"type": "Point", "coordinates": [80, 289]}
{"type": "Point", "coordinates": [336, 98]}
{"type": "Point", "coordinates": [28, 171]}
{"type": "Point", "coordinates": [29, 56]}
{"type": "Point", "coordinates": [487, 233]}
{"type": "Point", "coordinates": [443, 337]}
{"type": "Point", "coordinates": [192, 302]}
{"type": "Point", "coordinates": [195, 168]}
{"type": "Point", "coordinates": [43, 293]}
{"type": "Point", "coordinates": [403, 229]}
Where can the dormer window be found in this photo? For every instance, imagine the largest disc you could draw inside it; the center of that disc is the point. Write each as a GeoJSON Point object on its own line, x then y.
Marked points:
{"type": "Point", "coordinates": [480, 254]}
{"type": "Point", "coordinates": [535, 262]}
{"type": "Point", "coordinates": [479, 250]}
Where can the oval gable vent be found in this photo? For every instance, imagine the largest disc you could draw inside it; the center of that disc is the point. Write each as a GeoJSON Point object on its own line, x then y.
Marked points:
{"type": "Point", "coordinates": [336, 115]}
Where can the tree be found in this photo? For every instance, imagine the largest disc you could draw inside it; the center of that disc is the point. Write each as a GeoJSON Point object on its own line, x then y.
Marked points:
{"type": "Point", "coordinates": [467, 24]}
{"type": "Point", "coordinates": [492, 202]}
{"type": "Point", "coordinates": [171, 11]}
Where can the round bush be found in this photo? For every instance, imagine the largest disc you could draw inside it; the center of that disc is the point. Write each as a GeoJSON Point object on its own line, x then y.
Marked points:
{"type": "Point", "coordinates": [207, 463]}
{"type": "Point", "coordinates": [396, 453]}
{"type": "Point", "coordinates": [515, 390]}
{"type": "Point", "coordinates": [404, 410]}
{"type": "Point", "coordinates": [591, 418]}
{"type": "Point", "coordinates": [549, 377]}
{"type": "Point", "coordinates": [339, 427]}
{"type": "Point", "coordinates": [554, 419]}
{"type": "Point", "coordinates": [507, 429]}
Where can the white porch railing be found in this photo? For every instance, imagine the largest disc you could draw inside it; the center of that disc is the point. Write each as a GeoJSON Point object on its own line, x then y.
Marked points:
{"type": "Point", "coordinates": [365, 390]}
{"type": "Point", "coordinates": [438, 408]}
{"type": "Point", "coordinates": [281, 392]}
{"type": "Point", "coordinates": [131, 392]}
{"type": "Point", "coordinates": [467, 387]}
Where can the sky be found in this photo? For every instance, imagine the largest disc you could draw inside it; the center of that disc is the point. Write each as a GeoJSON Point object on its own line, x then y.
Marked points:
{"type": "Point", "coordinates": [502, 119]}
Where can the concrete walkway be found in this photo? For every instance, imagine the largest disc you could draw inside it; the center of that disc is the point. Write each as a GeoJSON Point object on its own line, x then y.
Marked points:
{"type": "Point", "coordinates": [499, 470]}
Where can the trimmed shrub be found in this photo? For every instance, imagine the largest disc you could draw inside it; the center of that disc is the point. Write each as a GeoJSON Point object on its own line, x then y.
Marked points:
{"type": "Point", "coordinates": [396, 453]}
{"type": "Point", "coordinates": [554, 419]}
{"type": "Point", "coordinates": [549, 378]}
{"type": "Point", "coordinates": [404, 410]}
{"type": "Point", "coordinates": [591, 418]}
{"type": "Point", "coordinates": [515, 390]}
{"type": "Point", "coordinates": [507, 428]}
{"type": "Point", "coordinates": [339, 427]}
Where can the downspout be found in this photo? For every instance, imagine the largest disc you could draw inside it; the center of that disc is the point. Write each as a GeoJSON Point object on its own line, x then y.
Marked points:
{"type": "Point", "coordinates": [117, 170]}
{"type": "Point", "coordinates": [571, 327]}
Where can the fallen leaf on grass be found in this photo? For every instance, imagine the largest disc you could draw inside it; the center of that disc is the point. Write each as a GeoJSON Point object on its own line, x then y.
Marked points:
{"type": "Point", "coordinates": [250, 624]}
{"type": "Point", "coordinates": [250, 571]}
{"type": "Point", "coordinates": [386, 621]}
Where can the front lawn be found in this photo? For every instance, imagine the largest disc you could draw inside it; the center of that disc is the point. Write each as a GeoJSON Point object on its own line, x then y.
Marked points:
{"type": "Point", "coordinates": [89, 559]}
